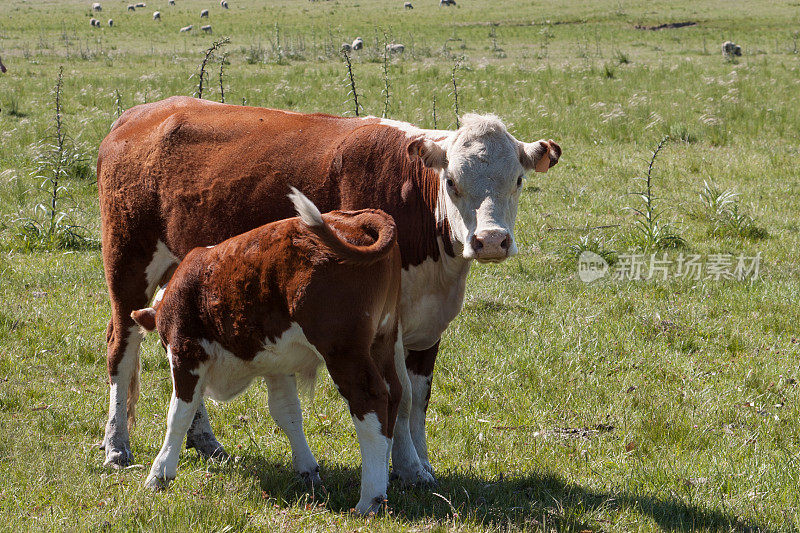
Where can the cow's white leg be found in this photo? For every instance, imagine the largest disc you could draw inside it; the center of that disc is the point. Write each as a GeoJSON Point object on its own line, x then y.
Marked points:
{"type": "Point", "coordinates": [116, 441]}
{"type": "Point", "coordinates": [420, 393]}
{"type": "Point", "coordinates": [406, 463]}
{"type": "Point", "coordinates": [179, 418]}
{"type": "Point", "coordinates": [284, 406]}
{"type": "Point", "coordinates": [375, 449]}
{"type": "Point", "coordinates": [201, 437]}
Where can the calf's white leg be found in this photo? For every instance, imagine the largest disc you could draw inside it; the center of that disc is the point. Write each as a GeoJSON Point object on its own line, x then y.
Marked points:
{"type": "Point", "coordinates": [284, 406]}
{"type": "Point", "coordinates": [179, 418]}
{"type": "Point", "coordinates": [201, 436]}
{"type": "Point", "coordinates": [375, 449]}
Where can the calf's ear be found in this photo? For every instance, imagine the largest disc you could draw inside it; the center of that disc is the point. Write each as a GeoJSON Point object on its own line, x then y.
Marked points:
{"type": "Point", "coordinates": [539, 155]}
{"type": "Point", "coordinates": [145, 318]}
{"type": "Point", "coordinates": [432, 155]}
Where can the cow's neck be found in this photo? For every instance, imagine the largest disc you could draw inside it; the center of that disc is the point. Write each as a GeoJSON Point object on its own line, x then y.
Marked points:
{"type": "Point", "coordinates": [433, 289]}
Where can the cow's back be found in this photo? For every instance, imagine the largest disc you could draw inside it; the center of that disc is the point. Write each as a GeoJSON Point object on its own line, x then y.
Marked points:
{"type": "Point", "coordinates": [190, 172]}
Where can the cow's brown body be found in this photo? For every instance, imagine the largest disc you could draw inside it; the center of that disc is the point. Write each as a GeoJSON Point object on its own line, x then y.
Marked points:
{"type": "Point", "coordinates": [274, 302]}
{"type": "Point", "coordinates": [182, 173]}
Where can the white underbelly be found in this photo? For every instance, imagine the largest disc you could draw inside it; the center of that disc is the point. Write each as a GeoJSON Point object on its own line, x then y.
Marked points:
{"type": "Point", "coordinates": [227, 375]}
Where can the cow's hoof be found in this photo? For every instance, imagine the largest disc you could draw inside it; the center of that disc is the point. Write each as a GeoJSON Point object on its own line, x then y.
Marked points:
{"type": "Point", "coordinates": [208, 448]}
{"type": "Point", "coordinates": [419, 477]}
{"type": "Point", "coordinates": [155, 483]}
{"type": "Point", "coordinates": [117, 457]}
{"type": "Point", "coordinates": [313, 482]}
{"type": "Point", "coordinates": [371, 507]}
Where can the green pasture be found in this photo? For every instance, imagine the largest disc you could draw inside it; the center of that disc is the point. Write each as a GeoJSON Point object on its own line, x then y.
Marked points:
{"type": "Point", "coordinates": [557, 405]}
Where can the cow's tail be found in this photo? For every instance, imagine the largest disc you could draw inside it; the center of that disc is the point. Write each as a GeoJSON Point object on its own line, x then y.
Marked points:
{"type": "Point", "coordinates": [133, 394]}
{"type": "Point", "coordinates": [377, 224]}
{"type": "Point", "coordinates": [146, 318]}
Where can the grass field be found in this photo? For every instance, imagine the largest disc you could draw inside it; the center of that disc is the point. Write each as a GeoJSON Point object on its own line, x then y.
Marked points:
{"type": "Point", "coordinates": [632, 405]}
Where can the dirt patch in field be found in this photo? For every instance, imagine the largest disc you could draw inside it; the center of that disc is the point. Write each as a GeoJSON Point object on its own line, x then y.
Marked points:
{"type": "Point", "coordinates": [670, 26]}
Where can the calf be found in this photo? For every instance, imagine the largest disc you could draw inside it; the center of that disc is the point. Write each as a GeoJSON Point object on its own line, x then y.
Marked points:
{"type": "Point", "coordinates": [275, 302]}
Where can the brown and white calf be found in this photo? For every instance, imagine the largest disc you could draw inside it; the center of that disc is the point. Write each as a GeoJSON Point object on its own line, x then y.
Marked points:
{"type": "Point", "coordinates": [184, 172]}
{"type": "Point", "coordinates": [276, 302]}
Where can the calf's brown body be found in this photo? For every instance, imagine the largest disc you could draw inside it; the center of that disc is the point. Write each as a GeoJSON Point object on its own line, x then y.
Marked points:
{"type": "Point", "coordinates": [274, 301]}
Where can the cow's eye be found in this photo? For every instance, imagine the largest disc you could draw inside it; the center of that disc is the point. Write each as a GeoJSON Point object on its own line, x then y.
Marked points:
{"type": "Point", "coordinates": [452, 186]}
{"type": "Point", "coordinates": [519, 181]}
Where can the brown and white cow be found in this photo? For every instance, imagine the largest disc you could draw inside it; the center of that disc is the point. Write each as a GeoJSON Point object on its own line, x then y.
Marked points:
{"type": "Point", "coordinates": [183, 172]}
{"type": "Point", "coordinates": [275, 302]}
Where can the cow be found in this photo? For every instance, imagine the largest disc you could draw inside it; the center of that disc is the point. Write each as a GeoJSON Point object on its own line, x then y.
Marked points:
{"type": "Point", "coordinates": [730, 49]}
{"type": "Point", "coordinates": [184, 172]}
{"type": "Point", "coordinates": [275, 302]}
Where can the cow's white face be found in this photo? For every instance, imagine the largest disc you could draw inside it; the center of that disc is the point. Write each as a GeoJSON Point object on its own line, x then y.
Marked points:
{"type": "Point", "coordinates": [481, 169]}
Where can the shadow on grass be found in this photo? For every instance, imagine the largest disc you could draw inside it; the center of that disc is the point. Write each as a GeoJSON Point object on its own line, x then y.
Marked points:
{"type": "Point", "coordinates": [526, 501]}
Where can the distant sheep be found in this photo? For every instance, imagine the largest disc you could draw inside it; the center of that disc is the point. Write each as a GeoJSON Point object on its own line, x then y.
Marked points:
{"type": "Point", "coordinates": [3, 68]}
{"type": "Point", "coordinates": [97, 7]}
{"type": "Point", "coordinates": [224, 4]}
{"type": "Point", "coordinates": [157, 15]}
{"type": "Point", "coordinates": [186, 29]}
{"type": "Point", "coordinates": [110, 23]}
{"type": "Point", "coordinates": [94, 22]}
{"type": "Point", "coordinates": [347, 47]}
{"type": "Point", "coordinates": [206, 29]}
{"type": "Point", "coordinates": [447, 2]}
{"type": "Point", "coordinates": [141, 4]}
{"type": "Point", "coordinates": [395, 48]}
{"type": "Point", "coordinates": [408, 5]}
{"type": "Point", "coordinates": [204, 13]}
{"type": "Point", "coordinates": [730, 49]}
{"type": "Point", "coordinates": [358, 44]}
{"type": "Point", "coordinates": [171, 2]}
{"type": "Point", "coordinates": [131, 7]}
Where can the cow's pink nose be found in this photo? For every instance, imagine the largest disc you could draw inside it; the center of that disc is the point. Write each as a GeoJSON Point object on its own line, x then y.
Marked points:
{"type": "Point", "coordinates": [491, 244]}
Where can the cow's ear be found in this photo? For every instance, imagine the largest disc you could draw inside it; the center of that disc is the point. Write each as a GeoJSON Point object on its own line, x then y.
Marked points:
{"type": "Point", "coordinates": [539, 155]}
{"type": "Point", "coordinates": [145, 318]}
{"type": "Point", "coordinates": [432, 155]}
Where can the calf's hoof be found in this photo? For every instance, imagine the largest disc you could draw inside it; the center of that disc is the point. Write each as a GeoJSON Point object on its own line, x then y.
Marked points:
{"type": "Point", "coordinates": [371, 507]}
{"type": "Point", "coordinates": [208, 448]}
{"type": "Point", "coordinates": [117, 457]}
